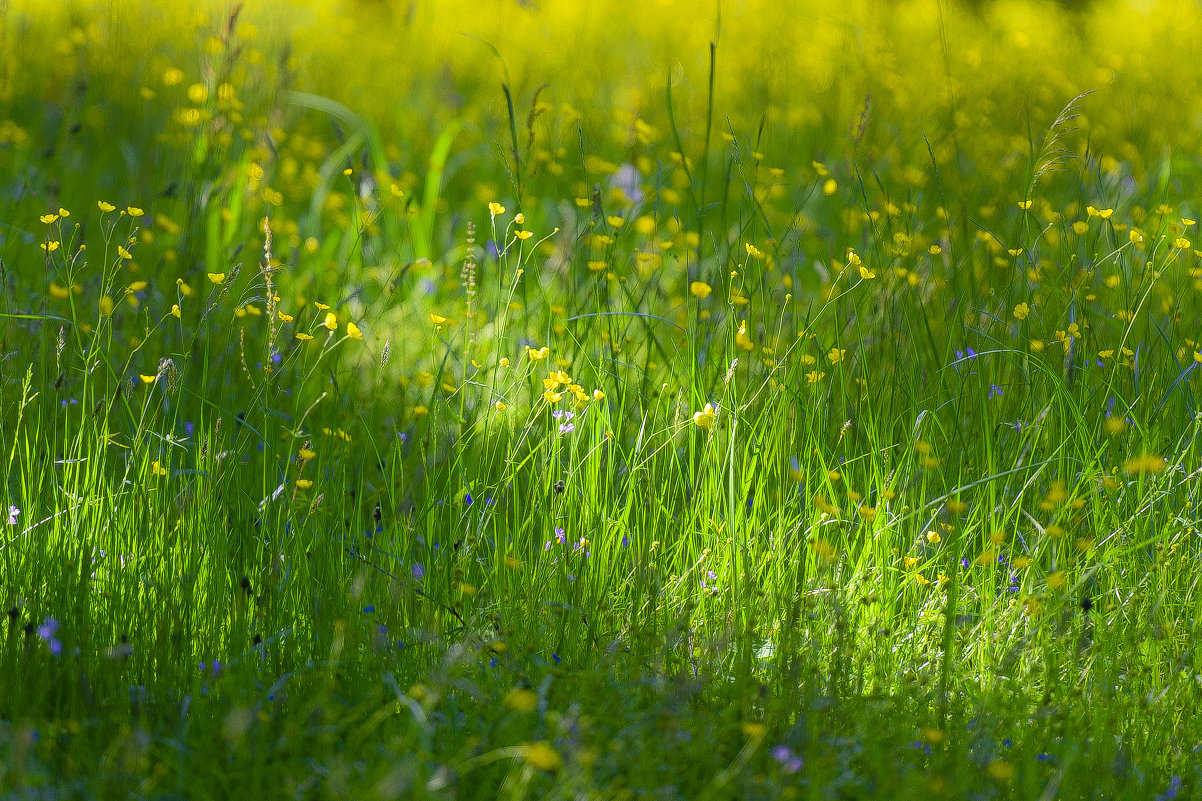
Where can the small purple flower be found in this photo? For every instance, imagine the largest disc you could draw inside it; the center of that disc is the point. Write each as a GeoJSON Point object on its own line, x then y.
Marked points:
{"type": "Point", "coordinates": [789, 762]}
{"type": "Point", "coordinates": [369, 609]}
{"type": "Point", "coordinates": [48, 629]}
{"type": "Point", "coordinates": [12, 515]}
{"type": "Point", "coordinates": [467, 499]}
{"type": "Point", "coordinates": [1171, 791]}
{"type": "Point", "coordinates": [994, 391]}
{"type": "Point", "coordinates": [567, 428]}
{"type": "Point", "coordinates": [560, 535]}
{"type": "Point", "coordinates": [47, 633]}
{"type": "Point", "coordinates": [418, 571]}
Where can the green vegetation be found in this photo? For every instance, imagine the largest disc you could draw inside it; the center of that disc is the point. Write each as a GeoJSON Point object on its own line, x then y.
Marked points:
{"type": "Point", "coordinates": [788, 403]}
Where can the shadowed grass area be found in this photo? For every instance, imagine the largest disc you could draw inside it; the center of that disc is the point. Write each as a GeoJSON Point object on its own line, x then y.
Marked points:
{"type": "Point", "coordinates": [495, 400]}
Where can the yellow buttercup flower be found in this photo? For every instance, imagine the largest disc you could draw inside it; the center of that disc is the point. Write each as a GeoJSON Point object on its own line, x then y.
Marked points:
{"type": "Point", "coordinates": [542, 756]}
{"type": "Point", "coordinates": [216, 278]}
{"type": "Point", "coordinates": [353, 331]}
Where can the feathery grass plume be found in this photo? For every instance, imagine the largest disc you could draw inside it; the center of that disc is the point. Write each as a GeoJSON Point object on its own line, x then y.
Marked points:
{"type": "Point", "coordinates": [267, 270]}
{"type": "Point", "coordinates": [242, 356]}
{"type": "Point", "coordinates": [467, 274]}
{"type": "Point", "coordinates": [1052, 157]}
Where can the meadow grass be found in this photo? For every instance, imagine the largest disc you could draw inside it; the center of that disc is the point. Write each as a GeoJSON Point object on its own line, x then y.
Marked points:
{"type": "Point", "coordinates": [787, 403]}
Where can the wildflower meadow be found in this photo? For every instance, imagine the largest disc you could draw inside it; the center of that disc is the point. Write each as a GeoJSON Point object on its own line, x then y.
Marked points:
{"type": "Point", "coordinates": [475, 399]}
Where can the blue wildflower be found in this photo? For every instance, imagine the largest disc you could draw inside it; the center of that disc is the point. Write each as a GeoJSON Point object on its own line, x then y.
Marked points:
{"type": "Point", "coordinates": [789, 761]}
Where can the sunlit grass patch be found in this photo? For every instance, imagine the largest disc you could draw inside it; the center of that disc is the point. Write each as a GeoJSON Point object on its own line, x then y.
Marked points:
{"type": "Point", "coordinates": [792, 404]}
